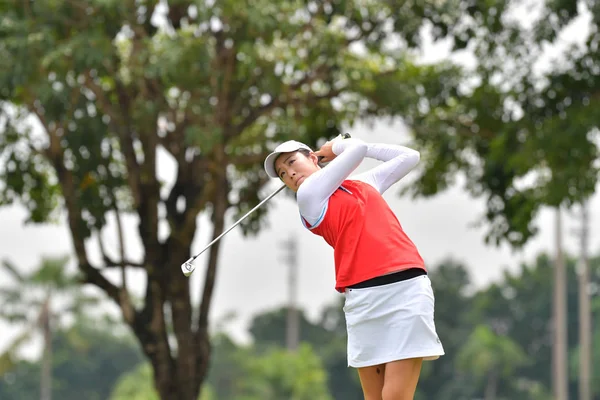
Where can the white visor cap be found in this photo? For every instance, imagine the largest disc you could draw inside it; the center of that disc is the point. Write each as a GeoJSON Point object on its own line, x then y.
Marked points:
{"type": "Point", "coordinates": [285, 147]}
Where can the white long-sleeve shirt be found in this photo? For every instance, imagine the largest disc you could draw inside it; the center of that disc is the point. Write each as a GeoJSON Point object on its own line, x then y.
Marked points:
{"type": "Point", "coordinates": [313, 195]}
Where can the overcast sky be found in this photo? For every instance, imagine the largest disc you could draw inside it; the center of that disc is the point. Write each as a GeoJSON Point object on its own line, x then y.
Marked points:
{"type": "Point", "coordinates": [251, 276]}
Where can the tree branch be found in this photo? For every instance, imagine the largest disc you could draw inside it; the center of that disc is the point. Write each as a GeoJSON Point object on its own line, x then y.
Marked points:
{"type": "Point", "coordinates": [120, 123]}
{"type": "Point", "coordinates": [94, 277]}
{"type": "Point", "coordinates": [227, 95]}
{"type": "Point", "coordinates": [192, 184]}
{"type": "Point", "coordinates": [112, 263]}
{"type": "Point", "coordinates": [255, 114]}
{"type": "Point", "coordinates": [65, 177]}
{"type": "Point", "coordinates": [177, 12]}
{"type": "Point", "coordinates": [128, 312]}
{"type": "Point", "coordinates": [220, 205]}
{"type": "Point", "coordinates": [105, 105]}
{"type": "Point", "coordinates": [196, 202]}
{"type": "Point", "coordinates": [174, 142]}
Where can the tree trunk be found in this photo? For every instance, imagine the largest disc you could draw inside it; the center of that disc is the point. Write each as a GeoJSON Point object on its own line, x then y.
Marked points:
{"type": "Point", "coordinates": [46, 373]}
{"type": "Point", "coordinates": [492, 386]}
{"type": "Point", "coordinates": [585, 313]}
{"type": "Point", "coordinates": [559, 348]}
{"type": "Point", "coordinates": [178, 375]}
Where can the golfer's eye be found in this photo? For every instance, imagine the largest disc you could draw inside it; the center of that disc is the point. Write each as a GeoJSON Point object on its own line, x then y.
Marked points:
{"type": "Point", "coordinates": [281, 175]}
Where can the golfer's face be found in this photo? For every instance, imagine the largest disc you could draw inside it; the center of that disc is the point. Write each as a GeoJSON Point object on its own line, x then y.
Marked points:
{"type": "Point", "coordinates": [294, 167]}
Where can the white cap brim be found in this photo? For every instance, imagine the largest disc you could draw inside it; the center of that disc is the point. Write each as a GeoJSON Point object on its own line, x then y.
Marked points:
{"type": "Point", "coordinates": [285, 147]}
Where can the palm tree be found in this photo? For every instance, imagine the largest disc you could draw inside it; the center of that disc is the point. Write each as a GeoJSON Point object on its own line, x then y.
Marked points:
{"type": "Point", "coordinates": [560, 309]}
{"type": "Point", "coordinates": [40, 300]}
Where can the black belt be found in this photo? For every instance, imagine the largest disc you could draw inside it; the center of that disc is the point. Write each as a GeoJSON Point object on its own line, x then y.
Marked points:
{"type": "Point", "coordinates": [389, 278]}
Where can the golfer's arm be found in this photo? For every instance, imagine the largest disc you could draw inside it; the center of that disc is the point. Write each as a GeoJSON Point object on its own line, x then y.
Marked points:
{"type": "Point", "coordinates": [398, 161]}
{"type": "Point", "coordinates": [314, 193]}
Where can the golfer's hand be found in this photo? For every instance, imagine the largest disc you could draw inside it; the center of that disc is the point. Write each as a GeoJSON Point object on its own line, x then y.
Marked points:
{"type": "Point", "coordinates": [326, 152]}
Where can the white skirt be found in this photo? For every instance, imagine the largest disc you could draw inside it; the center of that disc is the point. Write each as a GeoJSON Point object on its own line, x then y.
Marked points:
{"type": "Point", "coordinates": [391, 322]}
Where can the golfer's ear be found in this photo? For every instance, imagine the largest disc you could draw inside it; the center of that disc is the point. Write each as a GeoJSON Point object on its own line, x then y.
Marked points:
{"type": "Point", "coordinates": [314, 157]}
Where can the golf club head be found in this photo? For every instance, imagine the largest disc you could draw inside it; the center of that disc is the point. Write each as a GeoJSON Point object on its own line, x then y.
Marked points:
{"type": "Point", "coordinates": [188, 268]}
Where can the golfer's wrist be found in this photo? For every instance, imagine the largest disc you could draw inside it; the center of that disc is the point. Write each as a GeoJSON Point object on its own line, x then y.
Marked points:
{"type": "Point", "coordinates": [340, 145]}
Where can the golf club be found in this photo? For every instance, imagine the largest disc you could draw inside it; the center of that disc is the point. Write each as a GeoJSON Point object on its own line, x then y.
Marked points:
{"type": "Point", "coordinates": [188, 268]}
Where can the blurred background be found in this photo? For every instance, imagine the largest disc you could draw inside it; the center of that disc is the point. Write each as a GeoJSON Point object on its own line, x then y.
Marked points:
{"type": "Point", "coordinates": [133, 132]}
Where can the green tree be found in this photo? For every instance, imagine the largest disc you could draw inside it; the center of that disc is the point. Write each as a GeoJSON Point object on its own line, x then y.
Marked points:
{"type": "Point", "coordinates": [94, 92]}
{"type": "Point", "coordinates": [327, 336]}
{"type": "Point", "coordinates": [519, 307]}
{"type": "Point", "coordinates": [489, 357]}
{"type": "Point", "coordinates": [269, 329]}
{"type": "Point", "coordinates": [280, 374]}
{"type": "Point", "coordinates": [40, 300]}
{"type": "Point", "coordinates": [228, 366]}
{"type": "Point", "coordinates": [440, 379]}
{"type": "Point", "coordinates": [89, 357]}
{"type": "Point", "coordinates": [523, 136]}
{"type": "Point", "coordinates": [137, 385]}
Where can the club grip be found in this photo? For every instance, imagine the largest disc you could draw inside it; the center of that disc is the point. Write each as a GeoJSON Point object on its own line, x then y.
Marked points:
{"type": "Point", "coordinates": [344, 136]}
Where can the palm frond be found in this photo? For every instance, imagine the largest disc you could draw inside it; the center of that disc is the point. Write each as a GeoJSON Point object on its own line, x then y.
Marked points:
{"type": "Point", "coordinates": [14, 317]}
{"type": "Point", "coordinates": [52, 272]}
{"type": "Point", "coordinates": [13, 271]}
{"type": "Point", "coordinates": [7, 358]}
{"type": "Point", "coordinates": [10, 295]}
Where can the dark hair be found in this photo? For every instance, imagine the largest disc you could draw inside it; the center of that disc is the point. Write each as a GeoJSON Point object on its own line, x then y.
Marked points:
{"type": "Point", "coordinates": [305, 152]}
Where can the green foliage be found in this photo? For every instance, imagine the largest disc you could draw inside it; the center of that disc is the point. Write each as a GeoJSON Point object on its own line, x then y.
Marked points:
{"type": "Point", "coordinates": [327, 337]}
{"type": "Point", "coordinates": [486, 353]}
{"type": "Point", "coordinates": [269, 329]}
{"type": "Point", "coordinates": [246, 373]}
{"type": "Point", "coordinates": [29, 299]}
{"type": "Point", "coordinates": [88, 360]}
{"type": "Point", "coordinates": [242, 374]}
{"type": "Point", "coordinates": [452, 286]}
{"type": "Point", "coordinates": [523, 139]}
{"type": "Point", "coordinates": [137, 385]}
{"type": "Point", "coordinates": [520, 308]}
{"type": "Point", "coordinates": [228, 367]}
{"type": "Point", "coordinates": [25, 174]}
{"type": "Point", "coordinates": [29, 293]}
{"type": "Point", "coordinates": [265, 72]}
{"type": "Point", "coordinates": [280, 374]}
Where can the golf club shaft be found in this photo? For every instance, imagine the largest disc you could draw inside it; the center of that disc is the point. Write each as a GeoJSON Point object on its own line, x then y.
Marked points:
{"type": "Point", "coordinates": [188, 268]}
{"type": "Point", "coordinates": [238, 222]}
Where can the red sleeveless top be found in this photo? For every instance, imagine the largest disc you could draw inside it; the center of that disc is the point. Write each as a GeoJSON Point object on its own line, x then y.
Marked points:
{"type": "Point", "coordinates": [366, 236]}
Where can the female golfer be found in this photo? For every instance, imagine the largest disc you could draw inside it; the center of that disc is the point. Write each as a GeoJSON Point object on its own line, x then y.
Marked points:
{"type": "Point", "coordinates": [389, 304]}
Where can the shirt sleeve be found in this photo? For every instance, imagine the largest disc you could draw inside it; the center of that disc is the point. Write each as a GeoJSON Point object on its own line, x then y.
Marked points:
{"type": "Point", "coordinates": [313, 195]}
{"type": "Point", "coordinates": [398, 161]}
